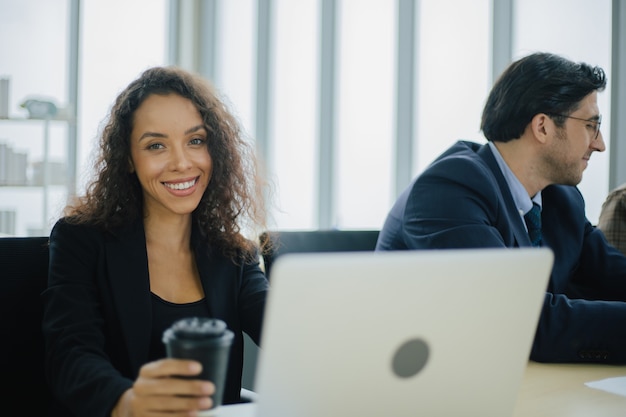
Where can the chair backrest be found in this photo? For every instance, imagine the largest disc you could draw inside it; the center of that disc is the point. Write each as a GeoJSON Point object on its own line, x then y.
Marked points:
{"type": "Point", "coordinates": [24, 275]}
{"type": "Point", "coordinates": [302, 241]}
{"type": "Point", "coordinates": [317, 241]}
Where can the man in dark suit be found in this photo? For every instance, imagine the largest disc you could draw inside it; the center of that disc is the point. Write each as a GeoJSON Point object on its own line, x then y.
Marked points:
{"type": "Point", "coordinates": [542, 123]}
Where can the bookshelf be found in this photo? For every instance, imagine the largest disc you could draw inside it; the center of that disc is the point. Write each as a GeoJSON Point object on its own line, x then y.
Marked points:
{"type": "Point", "coordinates": [35, 172]}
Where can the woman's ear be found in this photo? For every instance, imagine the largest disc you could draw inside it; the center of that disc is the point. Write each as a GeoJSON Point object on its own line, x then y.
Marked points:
{"type": "Point", "coordinates": [131, 166]}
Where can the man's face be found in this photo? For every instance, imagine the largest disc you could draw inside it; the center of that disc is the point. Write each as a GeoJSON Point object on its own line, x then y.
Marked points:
{"type": "Point", "coordinates": [571, 146]}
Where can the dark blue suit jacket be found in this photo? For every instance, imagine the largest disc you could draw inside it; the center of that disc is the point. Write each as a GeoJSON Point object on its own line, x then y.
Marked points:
{"type": "Point", "coordinates": [462, 200]}
{"type": "Point", "coordinates": [98, 315]}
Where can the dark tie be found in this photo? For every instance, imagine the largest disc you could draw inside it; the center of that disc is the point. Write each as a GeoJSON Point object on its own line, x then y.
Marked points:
{"type": "Point", "coordinates": [533, 222]}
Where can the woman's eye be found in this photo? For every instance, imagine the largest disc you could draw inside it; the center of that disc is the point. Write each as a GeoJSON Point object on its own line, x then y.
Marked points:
{"type": "Point", "coordinates": [155, 146]}
{"type": "Point", "coordinates": [197, 141]}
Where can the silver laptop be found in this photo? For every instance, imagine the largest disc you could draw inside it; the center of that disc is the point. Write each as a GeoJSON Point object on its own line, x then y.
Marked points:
{"type": "Point", "coordinates": [408, 333]}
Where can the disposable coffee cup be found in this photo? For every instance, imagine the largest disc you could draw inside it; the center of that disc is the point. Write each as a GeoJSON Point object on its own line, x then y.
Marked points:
{"type": "Point", "coordinates": [207, 341]}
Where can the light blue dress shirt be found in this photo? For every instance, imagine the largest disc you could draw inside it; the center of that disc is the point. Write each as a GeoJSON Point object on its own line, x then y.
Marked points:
{"type": "Point", "coordinates": [522, 201]}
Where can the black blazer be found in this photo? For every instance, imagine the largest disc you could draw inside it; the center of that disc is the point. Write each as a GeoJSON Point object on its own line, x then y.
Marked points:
{"type": "Point", "coordinates": [97, 312]}
{"type": "Point", "coordinates": [462, 200]}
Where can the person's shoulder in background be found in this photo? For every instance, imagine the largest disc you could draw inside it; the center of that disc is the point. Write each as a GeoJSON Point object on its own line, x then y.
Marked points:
{"type": "Point", "coordinates": [612, 219]}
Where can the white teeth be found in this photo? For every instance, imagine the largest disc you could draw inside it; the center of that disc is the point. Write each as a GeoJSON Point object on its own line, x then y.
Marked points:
{"type": "Point", "coordinates": [180, 185]}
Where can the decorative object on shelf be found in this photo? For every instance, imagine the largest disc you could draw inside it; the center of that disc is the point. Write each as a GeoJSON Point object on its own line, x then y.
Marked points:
{"type": "Point", "coordinates": [40, 108]}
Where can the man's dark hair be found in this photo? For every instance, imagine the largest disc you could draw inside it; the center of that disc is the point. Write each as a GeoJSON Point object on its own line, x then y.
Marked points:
{"type": "Point", "coordinates": [537, 83]}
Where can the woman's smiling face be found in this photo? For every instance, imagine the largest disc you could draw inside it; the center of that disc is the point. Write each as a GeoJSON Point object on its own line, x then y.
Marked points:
{"type": "Point", "coordinates": [169, 154]}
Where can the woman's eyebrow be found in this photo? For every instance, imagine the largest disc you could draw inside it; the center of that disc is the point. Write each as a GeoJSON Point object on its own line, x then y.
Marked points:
{"type": "Point", "coordinates": [162, 135]}
{"type": "Point", "coordinates": [194, 129]}
{"type": "Point", "coordinates": [152, 135]}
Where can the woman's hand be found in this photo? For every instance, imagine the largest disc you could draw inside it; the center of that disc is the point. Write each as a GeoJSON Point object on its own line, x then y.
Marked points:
{"type": "Point", "coordinates": [158, 391]}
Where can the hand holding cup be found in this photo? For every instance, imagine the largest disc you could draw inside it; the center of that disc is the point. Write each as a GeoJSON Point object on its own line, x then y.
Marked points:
{"type": "Point", "coordinates": [207, 341]}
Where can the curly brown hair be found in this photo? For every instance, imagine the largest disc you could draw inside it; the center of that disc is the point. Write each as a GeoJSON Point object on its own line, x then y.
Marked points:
{"type": "Point", "coordinates": [235, 197]}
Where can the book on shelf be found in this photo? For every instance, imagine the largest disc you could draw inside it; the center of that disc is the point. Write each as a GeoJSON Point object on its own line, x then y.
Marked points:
{"type": "Point", "coordinates": [13, 166]}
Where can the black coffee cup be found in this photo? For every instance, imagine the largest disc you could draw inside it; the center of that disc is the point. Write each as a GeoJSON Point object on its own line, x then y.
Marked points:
{"type": "Point", "coordinates": [207, 341]}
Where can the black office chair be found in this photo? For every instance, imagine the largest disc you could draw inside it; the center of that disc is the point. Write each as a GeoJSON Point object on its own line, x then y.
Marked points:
{"type": "Point", "coordinates": [283, 242]}
{"type": "Point", "coordinates": [24, 272]}
{"type": "Point", "coordinates": [331, 240]}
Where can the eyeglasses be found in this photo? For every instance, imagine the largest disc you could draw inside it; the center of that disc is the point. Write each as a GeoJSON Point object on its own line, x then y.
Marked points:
{"type": "Point", "coordinates": [592, 124]}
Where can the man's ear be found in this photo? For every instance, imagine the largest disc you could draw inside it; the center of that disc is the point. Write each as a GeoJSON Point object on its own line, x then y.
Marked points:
{"type": "Point", "coordinates": [541, 125]}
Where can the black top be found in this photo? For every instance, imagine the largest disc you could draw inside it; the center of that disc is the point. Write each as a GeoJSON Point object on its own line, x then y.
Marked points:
{"type": "Point", "coordinates": [164, 314]}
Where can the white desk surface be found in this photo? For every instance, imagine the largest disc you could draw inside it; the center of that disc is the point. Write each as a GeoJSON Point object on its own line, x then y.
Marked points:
{"type": "Point", "coordinates": [237, 410]}
{"type": "Point", "coordinates": [559, 390]}
{"type": "Point", "coordinates": [548, 390]}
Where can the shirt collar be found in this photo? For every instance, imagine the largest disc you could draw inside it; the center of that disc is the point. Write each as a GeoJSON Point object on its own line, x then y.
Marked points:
{"type": "Point", "coordinates": [520, 196]}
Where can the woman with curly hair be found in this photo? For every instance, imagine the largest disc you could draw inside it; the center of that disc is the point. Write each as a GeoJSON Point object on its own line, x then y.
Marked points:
{"type": "Point", "coordinates": [158, 236]}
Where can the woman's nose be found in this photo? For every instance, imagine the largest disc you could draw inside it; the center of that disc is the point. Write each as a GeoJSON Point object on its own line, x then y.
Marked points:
{"type": "Point", "coordinates": [180, 159]}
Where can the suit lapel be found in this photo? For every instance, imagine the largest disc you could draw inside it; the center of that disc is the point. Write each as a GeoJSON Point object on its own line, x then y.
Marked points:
{"type": "Point", "coordinates": [127, 262]}
{"type": "Point", "coordinates": [519, 230]}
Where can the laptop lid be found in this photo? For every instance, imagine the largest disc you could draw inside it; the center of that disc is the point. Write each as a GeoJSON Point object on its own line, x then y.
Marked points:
{"type": "Point", "coordinates": [406, 333]}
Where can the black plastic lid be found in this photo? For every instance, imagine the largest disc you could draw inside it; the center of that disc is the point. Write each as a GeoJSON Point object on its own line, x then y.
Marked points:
{"type": "Point", "coordinates": [198, 328]}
